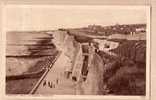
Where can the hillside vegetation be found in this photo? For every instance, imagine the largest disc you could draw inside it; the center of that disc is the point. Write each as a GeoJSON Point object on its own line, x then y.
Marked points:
{"type": "Point", "coordinates": [126, 73]}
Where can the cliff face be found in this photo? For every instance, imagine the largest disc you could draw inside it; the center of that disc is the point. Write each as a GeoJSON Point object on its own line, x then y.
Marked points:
{"type": "Point", "coordinates": [72, 48]}
{"type": "Point", "coordinates": [94, 84]}
{"type": "Point", "coordinates": [68, 45]}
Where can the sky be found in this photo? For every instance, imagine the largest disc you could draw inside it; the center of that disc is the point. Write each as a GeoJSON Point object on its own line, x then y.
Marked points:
{"type": "Point", "coordinates": [26, 17]}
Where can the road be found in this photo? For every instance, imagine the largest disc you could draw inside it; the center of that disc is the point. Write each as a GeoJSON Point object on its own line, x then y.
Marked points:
{"type": "Point", "coordinates": [55, 82]}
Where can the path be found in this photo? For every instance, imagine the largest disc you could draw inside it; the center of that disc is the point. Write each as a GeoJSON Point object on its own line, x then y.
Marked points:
{"type": "Point", "coordinates": [55, 81]}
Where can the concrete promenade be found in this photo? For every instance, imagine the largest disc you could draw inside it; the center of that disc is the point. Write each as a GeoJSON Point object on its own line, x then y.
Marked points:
{"type": "Point", "coordinates": [55, 82]}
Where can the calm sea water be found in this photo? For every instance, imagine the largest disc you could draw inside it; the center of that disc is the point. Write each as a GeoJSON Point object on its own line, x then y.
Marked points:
{"type": "Point", "coordinates": [18, 42]}
{"type": "Point", "coordinates": [24, 44]}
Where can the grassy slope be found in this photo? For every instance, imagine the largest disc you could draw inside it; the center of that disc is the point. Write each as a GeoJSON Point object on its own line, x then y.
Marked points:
{"type": "Point", "coordinates": [125, 75]}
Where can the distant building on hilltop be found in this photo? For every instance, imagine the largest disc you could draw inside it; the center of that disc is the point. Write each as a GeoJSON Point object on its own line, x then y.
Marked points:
{"type": "Point", "coordinates": [94, 27]}
{"type": "Point", "coordinates": [141, 29]}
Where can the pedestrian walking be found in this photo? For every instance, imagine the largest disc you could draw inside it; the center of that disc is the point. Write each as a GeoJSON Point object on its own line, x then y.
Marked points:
{"type": "Point", "coordinates": [49, 84]}
{"type": "Point", "coordinates": [44, 83]}
{"type": "Point", "coordinates": [57, 81]}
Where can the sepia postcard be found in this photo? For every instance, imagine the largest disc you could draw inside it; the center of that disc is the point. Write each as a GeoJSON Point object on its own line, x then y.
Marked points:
{"type": "Point", "coordinates": [78, 51]}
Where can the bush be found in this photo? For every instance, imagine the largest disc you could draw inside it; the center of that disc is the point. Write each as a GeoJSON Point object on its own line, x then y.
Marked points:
{"type": "Point", "coordinates": [134, 50]}
{"type": "Point", "coordinates": [126, 73]}
{"type": "Point", "coordinates": [124, 82]}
